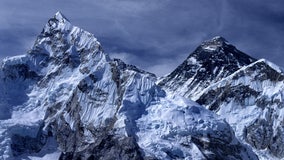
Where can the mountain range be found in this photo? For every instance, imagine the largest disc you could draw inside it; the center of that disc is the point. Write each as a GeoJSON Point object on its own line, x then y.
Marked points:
{"type": "Point", "coordinates": [67, 99]}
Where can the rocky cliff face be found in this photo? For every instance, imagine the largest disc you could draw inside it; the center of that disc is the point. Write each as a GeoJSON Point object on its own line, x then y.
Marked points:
{"type": "Point", "coordinates": [247, 93]}
{"type": "Point", "coordinates": [77, 103]}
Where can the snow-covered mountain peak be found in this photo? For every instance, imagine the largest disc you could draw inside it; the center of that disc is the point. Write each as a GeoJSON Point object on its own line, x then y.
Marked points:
{"type": "Point", "coordinates": [58, 22]}
{"type": "Point", "coordinates": [219, 38]}
{"type": "Point", "coordinates": [209, 63]}
{"type": "Point", "coordinates": [214, 43]}
{"type": "Point", "coordinates": [60, 17]}
{"type": "Point", "coordinates": [62, 43]}
{"type": "Point", "coordinates": [219, 49]}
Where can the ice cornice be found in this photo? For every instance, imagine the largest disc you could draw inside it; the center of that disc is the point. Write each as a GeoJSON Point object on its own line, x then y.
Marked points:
{"type": "Point", "coordinates": [270, 64]}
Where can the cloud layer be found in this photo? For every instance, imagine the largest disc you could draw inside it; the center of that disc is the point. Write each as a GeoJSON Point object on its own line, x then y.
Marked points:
{"type": "Point", "coordinates": [154, 35]}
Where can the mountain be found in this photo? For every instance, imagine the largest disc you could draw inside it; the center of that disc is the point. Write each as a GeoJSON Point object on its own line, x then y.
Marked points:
{"type": "Point", "coordinates": [248, 93]}
{"type": "Point", "coordinates": [67, 99]}
{"type": "Point", "coordinates": [212, 61]}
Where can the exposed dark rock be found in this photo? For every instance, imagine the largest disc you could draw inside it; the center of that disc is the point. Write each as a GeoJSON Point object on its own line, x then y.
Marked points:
{"type": "Point", "coordinates": [277, 145]}
{"type": "Point", "coordinates": [214, 98]}
{"type": "Point", "coordinates": [259, 134]}
{"type": "Point", "coordinates": [109, 148]}
{"type": "Point", "coordinates": [26, 144]}
{"type": "Point", "coordinates": [218, 145]}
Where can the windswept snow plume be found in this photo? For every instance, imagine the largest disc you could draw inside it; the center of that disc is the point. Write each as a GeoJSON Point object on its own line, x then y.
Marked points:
{"type": "Point", "coordinates": [66, 99]}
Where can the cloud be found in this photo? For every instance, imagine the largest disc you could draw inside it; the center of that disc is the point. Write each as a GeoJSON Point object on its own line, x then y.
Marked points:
{"type": "Point", "coordinates": [152, 33]}
{"type": "Point", "coordinates": [163, 67]}
{"type": "Point", "coordinates": [159, 66]}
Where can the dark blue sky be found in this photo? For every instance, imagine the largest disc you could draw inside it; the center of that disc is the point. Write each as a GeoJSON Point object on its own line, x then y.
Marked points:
{"type": "Point", "coordinates": [155, 35]}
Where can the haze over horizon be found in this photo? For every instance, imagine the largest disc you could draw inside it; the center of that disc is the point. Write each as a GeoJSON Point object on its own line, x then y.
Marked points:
{"type": "Point", "coordinates": [156, 36]}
